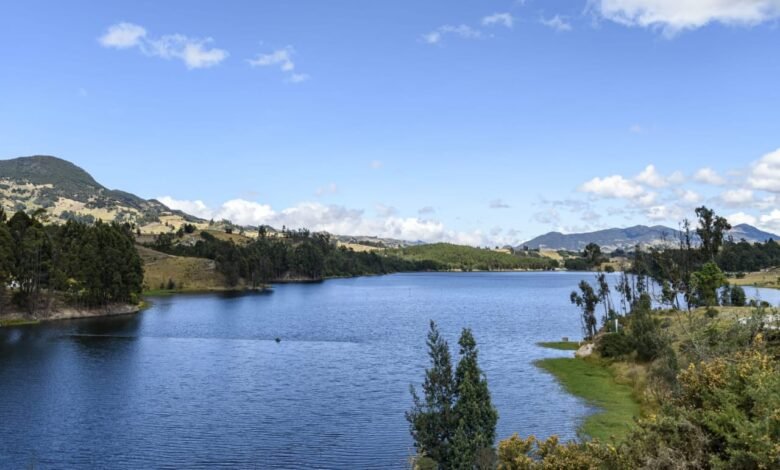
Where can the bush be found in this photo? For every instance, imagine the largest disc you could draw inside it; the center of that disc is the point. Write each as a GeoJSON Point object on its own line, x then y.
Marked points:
{"type": "Point", "coordinates": [738, 297]}
{"type": "Point", "coordinates": [614, 345]}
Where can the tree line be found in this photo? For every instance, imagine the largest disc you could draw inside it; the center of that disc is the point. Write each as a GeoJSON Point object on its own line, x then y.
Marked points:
{"type": "Point", "coordinates": [80, 264]}
{"type": "Point", "coordinates": [295, 255]}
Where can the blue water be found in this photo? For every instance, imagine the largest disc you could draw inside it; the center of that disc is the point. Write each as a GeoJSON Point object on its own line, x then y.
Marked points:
{"type": "Point", "coordinates": [199, 381]}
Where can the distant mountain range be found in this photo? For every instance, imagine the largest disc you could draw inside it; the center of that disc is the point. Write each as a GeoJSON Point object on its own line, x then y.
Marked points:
{"type": "Point", "coordinates": [614, 238]}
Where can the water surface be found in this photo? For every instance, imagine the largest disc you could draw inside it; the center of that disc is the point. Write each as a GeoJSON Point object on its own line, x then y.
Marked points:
{"type": "Point", "coordinates": [199, 381]}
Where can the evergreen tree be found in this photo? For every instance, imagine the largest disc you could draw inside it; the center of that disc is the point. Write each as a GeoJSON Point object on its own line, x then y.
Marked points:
{"type": "Point", "coordinates": [432, 418]}
{"type": "Point", "coordinates": [472, 445]}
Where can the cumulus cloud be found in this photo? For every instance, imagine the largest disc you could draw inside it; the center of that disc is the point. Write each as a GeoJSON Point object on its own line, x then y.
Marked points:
{"type": "Point", "coordinates": [765, 173]}
{"type": "Point", "coordinates": [502, 19]}
{"type": "Point", "coordinates": [558, 23]}
{"type": "Point", "coordinates": [771, 221]}
{"type": "Point", "coordinates": [462, 31]}
{"type": "Point", "coordinates": [689, 196]}
{"type": "Point", "coordinates": [337, 219]}
{"type": "Point", "coordinates": [673, 16]}
{"type": "Point", "coordinates": [195, 53]}
{"type": "Point", "coordinates": [616, 187]}
{"type": "Point", "coordinates": [122, 36]}
{"type": "Point", "coordinates": [709, 176]}
{"type": "Point", "coordinates": [736, 197]}
{"type": "Point", "coordinates": [282, 58]}
{"type": "Point", "coordinates": [651, 177]}
{"type": "Point", "coordinates": [427, 210]}
{"type": "Point", "coordinates": [197, 208]}
{"type": "Point", "coordinates": [741, 218]}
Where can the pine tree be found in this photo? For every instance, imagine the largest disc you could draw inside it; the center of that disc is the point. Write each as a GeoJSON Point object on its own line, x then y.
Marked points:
{"type": "Point", "coordinates": [431, 419]}
{"type": "Point", "coordinates": [476, 417]}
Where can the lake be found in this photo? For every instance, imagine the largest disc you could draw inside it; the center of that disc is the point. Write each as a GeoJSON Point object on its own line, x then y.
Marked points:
{"type": "Point", "coordinates": [199, 381]}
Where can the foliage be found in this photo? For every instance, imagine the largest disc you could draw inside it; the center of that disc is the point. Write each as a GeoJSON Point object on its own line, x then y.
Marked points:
{"type": "Point", "coordinates": [477, 418]}
{"type": "Point", "coordinates": [454, 426]}
{"type": "Point", "coordinates": [706, 284]}
{"type": "Point", "coordinates": [587, 300]}
{"type": "Point", "coordinates": [468, 258]}
{"type": "Point", "coordinates": [432, 419]}
{"type": "Point", "coordinates": [615, 345]}
{"type": "Point", "coordinates": [89, 264]}
{"type": "Point", "coordinates": [295, 255]}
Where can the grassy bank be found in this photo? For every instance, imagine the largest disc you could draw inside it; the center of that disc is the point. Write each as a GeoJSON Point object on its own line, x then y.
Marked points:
{"type": "Point", "coordinates": [770, 278]}
{"type": "Point", "coordinates": [561, 345]}
{"type": "Point", "coordinates": [18, 322]}
{"type": "Point", "coordinates": [594, 381]}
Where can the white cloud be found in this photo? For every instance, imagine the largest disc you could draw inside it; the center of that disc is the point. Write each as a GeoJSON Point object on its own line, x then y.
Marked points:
{"type": "Point", "coordinates": [462, 31]}
{"type": "Point", "coordinates": [197, 208]}
{"type": "Point", "coordinates": [709, 176]}
{"type": "Point", "coordinates": [504, 19]}
{"type": "Point", "coordinates": [651, 177]}
{"type": "Point", "coordinates": [765, 173]}
{"type": "Point", "coordinates": [741, 218]}
{"type": "Point", "coordinates": [664, 213]}
{"type": "Point", "coordinates": [613, 187]}
{"type": "Point", "coordinates": [195, 53]}
{"type": "Point", "coordinates": [673, 16]}
{"type": "Point", "coordinates": [337, 220]}
{"type": "Point", "coordinates": [558, 23]}
{"type": "Point", "coordinates": [427, 210]}
{"type": "Point", "coordinates": [736, 197]}
{"type": "Point", "coordinates": [771, 221]}
{"type": "Point", "coordinates": [122, 36]}
{"type": "Point", "coordinates": [283, 58]}
{"type": "Point", "coordinates": [676, 178]}
{"type": "Point", "coordinates": [689, 196]}
{"type": "Point", "coordinates": [647, 199]}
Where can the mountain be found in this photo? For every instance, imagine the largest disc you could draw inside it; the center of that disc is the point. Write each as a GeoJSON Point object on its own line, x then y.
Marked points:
{"type": "Point", "coordinates": [66, 191]}
{"type": "Point", "coordinates": [614, 238]}
{"type": "Point", "coordinates": [751, 234]}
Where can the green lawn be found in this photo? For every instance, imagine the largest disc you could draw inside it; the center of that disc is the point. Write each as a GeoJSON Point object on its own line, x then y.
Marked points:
{"type": "Point", "coordinates": [590, 379]}
{"type": "Point", "coordinates": [562, 345]}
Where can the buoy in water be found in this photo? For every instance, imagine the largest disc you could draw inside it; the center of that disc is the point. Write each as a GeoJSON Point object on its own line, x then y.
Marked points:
{"type": "Point", "coordinates": [278, 340]}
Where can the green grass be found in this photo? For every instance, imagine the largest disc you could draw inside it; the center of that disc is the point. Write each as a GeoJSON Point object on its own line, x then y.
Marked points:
{"type": "Point", "coordinates": [591, 380]}
{"type": "Point", "coordinates": [562, 345]}
{"type": "Point", "coordinates": [18, 322]}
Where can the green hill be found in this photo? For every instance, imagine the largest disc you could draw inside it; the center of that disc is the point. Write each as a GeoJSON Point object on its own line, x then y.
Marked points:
{"type": "Point", "coordinates": [468, 258]}
{"type": "Point", "coordinates": [65, 191]}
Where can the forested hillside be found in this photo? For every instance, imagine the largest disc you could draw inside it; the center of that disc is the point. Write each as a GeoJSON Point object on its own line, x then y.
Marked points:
{"type": "Point", "coordinates": [74, 263]}
{"type": "Point", "coordinates": [468, 258]}
{"type": "Point", "coordinates": [294, 256]}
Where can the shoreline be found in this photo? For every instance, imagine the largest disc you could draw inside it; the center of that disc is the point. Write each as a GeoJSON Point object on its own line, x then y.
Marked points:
{"type": "Point", "coordinates": [597, 384]}
{"type": "Point", "coordinates": [70, 313]}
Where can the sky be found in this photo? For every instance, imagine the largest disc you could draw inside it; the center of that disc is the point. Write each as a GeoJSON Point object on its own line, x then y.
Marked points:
{"type": "Point", "coordinates": [484, 123]}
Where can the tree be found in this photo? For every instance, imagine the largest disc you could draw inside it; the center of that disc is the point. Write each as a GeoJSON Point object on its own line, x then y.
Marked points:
{"type": "Point", "coordinates": [706, 283]}
{"type": "Point", "coordinates": [587, 301]}
{"type": "Point", "coordinates": [431, 418]}
{"type": "Point", "coordinates": [711, 231]}
{"type": "Point", "coordinates": [472, 445]}
{"type": "Point", "coordinates": [592, 254]}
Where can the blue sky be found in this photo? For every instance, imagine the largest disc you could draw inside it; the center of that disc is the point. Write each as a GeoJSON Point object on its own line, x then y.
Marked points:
{"type": "Point", "coordinates": [476, 122]}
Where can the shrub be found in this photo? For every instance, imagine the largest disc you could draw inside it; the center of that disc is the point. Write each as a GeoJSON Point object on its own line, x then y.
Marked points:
{"type": "Point", "coordinates": [614, 345]}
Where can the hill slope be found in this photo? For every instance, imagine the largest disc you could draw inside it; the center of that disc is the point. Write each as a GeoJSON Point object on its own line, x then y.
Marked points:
{"type": "Point", "coordinates": [66, 191]}
{"type": "Point", "coordinates": [459, 257]}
